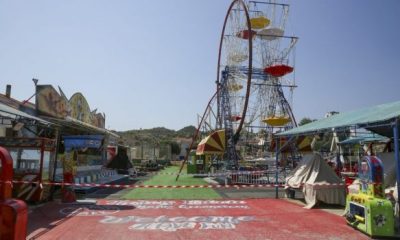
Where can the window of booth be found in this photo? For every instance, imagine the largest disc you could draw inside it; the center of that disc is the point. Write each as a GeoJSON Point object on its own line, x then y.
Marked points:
{"type": "Point", "coordinates": [28, 161]}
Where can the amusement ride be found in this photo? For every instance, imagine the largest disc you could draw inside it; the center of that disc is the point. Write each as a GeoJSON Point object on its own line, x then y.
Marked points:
{"type": "Point", "coordinates": [254, 85]}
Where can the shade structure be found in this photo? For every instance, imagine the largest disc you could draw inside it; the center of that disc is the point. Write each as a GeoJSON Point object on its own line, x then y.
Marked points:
{"type": "Point", "coordinates": [377, 119]}
{"type": "Point", "coordinates": [246, 34]}
{"type": "Point", "coordinates": [276, 120]}
{"type": "Point", "coordinates": [278, 70]}
{"type": "Point", "coordinates": [212, 144]}
{"type": "Point", "coordinates": [259, 22]}
{"type": "Point", "coordinates": [7, 112]}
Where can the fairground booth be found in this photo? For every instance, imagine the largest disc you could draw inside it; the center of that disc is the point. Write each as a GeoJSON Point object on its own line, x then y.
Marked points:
{"type": "Point", "coordinates": [372, 202]}
{"type": "Point", "coordinates": [55, 136]}
{"type": "Point", "coordinates": [82, 139]}
{"type": "Point", "coordinates": [32, 152]}
{"type": "Point", "coordinates": [207, 156]}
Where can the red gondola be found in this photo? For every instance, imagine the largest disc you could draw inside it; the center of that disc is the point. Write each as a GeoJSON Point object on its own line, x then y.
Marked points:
{"type": "Point", "coordinates": [235, 118]}
{"type": "Point", "coordinates": [278, 70]}
{"type": "Point", "coordinates": [245, 34]}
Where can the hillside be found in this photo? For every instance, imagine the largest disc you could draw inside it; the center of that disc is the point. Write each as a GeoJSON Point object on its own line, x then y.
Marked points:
{"type": "Point", "coordinates": [155, 135]}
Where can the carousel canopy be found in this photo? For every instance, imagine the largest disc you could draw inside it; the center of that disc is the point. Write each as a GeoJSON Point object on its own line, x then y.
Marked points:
{"type": "Point", "coordinates": [212, 144]}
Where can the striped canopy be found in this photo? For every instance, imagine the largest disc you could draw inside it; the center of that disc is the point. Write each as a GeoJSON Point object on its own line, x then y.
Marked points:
{"type": "Point", "coordinates": [212, 144]}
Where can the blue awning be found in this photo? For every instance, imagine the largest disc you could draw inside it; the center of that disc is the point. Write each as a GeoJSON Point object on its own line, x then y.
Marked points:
{"type": "Point", "coordinates": [82, 141]}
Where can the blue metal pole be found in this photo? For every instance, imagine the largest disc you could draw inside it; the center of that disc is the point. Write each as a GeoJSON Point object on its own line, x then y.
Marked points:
{"type": "Point", "coordinates": [276, 166]}
{"type": "Point", "coordinates": [397, 157]}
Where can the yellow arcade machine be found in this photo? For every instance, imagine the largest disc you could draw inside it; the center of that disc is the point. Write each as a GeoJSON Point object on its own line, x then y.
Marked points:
{"type": "Point", "coordinates": [368, 210]}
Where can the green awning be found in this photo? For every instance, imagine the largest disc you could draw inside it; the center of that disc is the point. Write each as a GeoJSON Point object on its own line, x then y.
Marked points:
{"type": "Point", "coordinates": [362, 140]}
{"type": "Point", "coordinates": [376, 119]}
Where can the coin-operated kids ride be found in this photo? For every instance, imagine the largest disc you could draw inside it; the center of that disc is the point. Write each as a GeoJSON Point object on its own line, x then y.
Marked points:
{"type": "Point", "coordinates": [13, 212]}
{"type": "Point", "coordinates": [368, 210]}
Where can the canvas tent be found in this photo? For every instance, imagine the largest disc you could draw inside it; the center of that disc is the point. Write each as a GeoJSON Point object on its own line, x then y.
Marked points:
{"type": "Point", "coordinates": [311, 175]}
{"type": "Point", "coordinates": [382, 119]}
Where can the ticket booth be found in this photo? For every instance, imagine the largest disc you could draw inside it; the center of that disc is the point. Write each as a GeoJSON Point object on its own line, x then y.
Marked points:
{"type": "Point", "coordinates": [368, 210]}
{"type": "Point", "coordinates": [208, 151]}
{"type": "Point", "coordinates": [197, 163]}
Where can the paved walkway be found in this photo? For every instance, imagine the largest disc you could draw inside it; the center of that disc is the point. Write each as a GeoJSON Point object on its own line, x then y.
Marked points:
{"type": "Point", "coordinates": [187, 219]}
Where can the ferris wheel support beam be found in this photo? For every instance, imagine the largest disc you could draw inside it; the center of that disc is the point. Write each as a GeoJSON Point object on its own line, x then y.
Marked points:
{"type": "Point", "coordinates": [196, 133]}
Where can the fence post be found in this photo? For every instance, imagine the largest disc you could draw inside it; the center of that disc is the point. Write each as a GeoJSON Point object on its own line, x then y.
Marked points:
{"type": "Point", "coordinates": [276, 167]}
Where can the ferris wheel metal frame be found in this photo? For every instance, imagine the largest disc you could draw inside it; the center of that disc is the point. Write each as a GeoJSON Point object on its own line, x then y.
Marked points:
{"type": "Point", "coordinates": [225, 72]}
{"type": "Point", "coordinates": [224, 113]}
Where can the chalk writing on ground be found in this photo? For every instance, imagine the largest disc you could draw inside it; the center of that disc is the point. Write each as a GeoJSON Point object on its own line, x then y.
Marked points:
{"type": "Point", "coordinates": [171, 224]}
{"type": "Point", "coordinates": [187, 204]}
{"type": "Point", "coordinates": [89, 210]}
{"type": "Point", "coordinates": [143, 204]}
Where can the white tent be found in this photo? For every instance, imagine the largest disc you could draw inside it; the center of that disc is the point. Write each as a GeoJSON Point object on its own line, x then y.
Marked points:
{"type": "Point", "coordinates": [318, 181]}
{"type": "Point", "coordinates": [389, 168]}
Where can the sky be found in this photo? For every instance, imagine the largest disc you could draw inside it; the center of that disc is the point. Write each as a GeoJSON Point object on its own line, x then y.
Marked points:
{"type": "Point", "coordinates": [153, 63]}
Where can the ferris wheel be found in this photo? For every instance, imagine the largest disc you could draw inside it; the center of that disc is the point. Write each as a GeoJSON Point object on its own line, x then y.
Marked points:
{"type": "Point", "coordinates": [255, 77]}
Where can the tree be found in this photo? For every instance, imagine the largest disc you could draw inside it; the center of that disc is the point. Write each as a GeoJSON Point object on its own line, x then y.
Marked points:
{"type": "Point", "coordinates": [305, 121]}
{"type": "Point", "coordinates": [175, 148]}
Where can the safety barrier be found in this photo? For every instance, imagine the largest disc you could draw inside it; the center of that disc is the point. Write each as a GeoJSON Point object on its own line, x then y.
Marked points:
{"type": "Point", "coordinates": [171, 186]}
{"type": "Point", "coordinates": [149, 186]}
{"type": "Point", "coordinates": [257, 177]}
{"type": "Point", "coordinates": [218, 174]}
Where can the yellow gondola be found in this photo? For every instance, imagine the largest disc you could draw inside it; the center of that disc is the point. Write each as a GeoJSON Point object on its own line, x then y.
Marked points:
{"type": "Point", "coordinates": [238, 57]}
{"type": "Point", "coordinates": [277, 121]}
{"type": "Point", "coordinates": [259, 22]}
{"type": "Point", "coordinates": [234, 87]}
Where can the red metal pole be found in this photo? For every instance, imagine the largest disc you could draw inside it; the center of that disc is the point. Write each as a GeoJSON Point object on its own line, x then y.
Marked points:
{"type": "Point", "coordinates": [6, 176]}
{"type": "Point", "coordinates": [13, 212]}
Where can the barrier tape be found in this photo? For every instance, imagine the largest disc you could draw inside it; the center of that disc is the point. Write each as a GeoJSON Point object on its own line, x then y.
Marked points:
{"type": "Point", "coordinates": [315, 185]}
{"type": "Point", "coordinates": [205, 174]}
{"type": "Point", "coordinates": [150, 186]}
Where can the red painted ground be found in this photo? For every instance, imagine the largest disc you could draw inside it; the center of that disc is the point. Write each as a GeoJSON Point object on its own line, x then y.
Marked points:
{"type": "Point", "coordinates": [220, 219]}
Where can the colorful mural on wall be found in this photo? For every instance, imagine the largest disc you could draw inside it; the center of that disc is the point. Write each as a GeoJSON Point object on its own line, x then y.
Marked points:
{"type": "Point", "coordinates": [80, 108]}
{"type": "Point", "coordinates": [51, 103]}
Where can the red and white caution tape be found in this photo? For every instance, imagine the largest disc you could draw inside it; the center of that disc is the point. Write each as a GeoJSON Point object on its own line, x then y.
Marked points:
{"type": "Point", "coordinates": [227, 173]}
{"type": "Point", "coordinates": [314, 185]}
{"type": "Point", "coordinates": [152, 186]}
